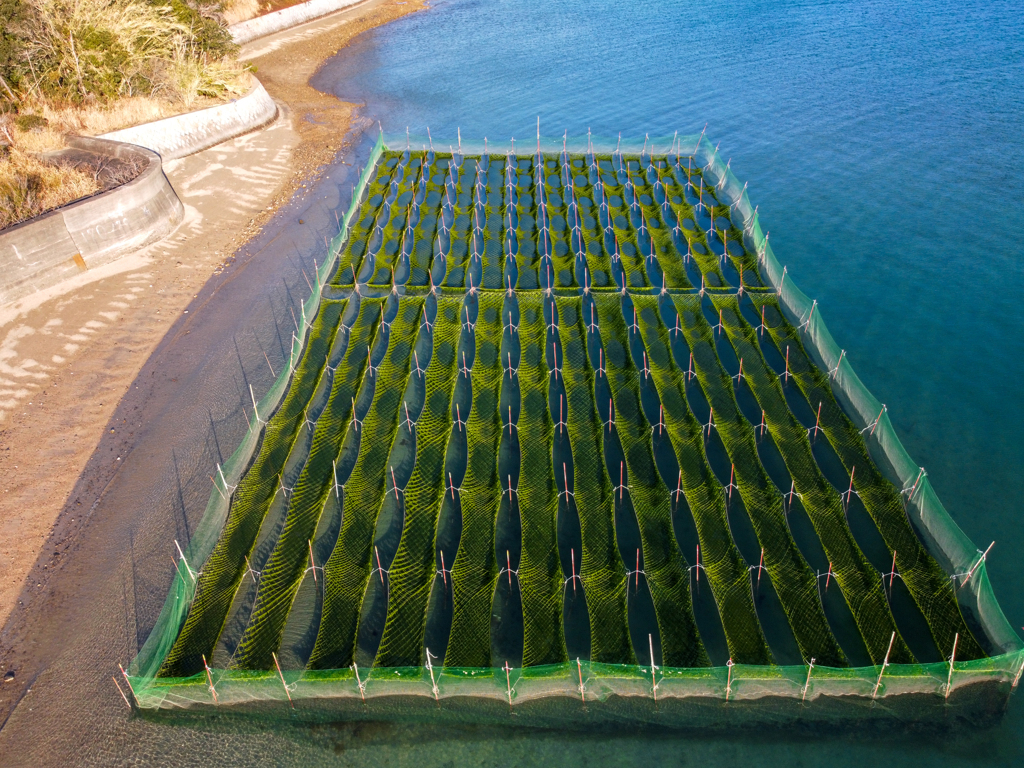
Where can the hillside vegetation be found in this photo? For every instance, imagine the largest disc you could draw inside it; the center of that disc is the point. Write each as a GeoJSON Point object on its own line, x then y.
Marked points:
{"type": "Point", "coordinates": [92, 66]}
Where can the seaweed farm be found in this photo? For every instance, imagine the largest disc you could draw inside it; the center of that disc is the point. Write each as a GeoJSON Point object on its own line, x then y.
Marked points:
{"type": "Point", "coordinates": [558, 426]}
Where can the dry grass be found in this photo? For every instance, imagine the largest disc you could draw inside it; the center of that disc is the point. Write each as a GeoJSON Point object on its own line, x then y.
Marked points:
{"type": "Point", "coordinates": [96, 66]}
{"type": "Point", "coordinates": [30, 186]}
{"type": "Point", "coordinates": [192, 92]}
{"type": "Point", "coordinates": [190, 77]}
{"type": "Point", "coordinates": [240, 10]}
{"type": "Point", "coordinates": [87, 48]}
{"type": "Point", "coordinates": [97, 51]}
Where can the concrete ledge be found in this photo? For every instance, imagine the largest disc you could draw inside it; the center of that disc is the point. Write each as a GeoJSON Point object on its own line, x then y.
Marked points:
{"type": "Point", "coordinates": [261, 26]}
{"type": "Point", "coordinates": [43, 251]}
{"type": "Point", "coordinates": [182, 135]}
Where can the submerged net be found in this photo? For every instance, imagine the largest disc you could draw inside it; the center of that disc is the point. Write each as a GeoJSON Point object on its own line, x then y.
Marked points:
{"type": "Point", "coordinates": [525, 384]}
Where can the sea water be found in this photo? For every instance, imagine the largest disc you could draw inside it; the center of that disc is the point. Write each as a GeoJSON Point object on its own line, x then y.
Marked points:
{"type": "Point", "coordinates": [884, 148]}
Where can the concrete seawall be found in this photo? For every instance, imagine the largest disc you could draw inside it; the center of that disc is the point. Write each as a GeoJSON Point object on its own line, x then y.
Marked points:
{"type": "Point", "coordinates": [88, 233]}
{"type": "Point", "coordinates": [261, 26]}
{"type": "Point", "coordinates": [182, 135]}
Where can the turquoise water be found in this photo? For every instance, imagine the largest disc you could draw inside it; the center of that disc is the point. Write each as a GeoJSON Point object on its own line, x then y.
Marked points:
{"type": "Point", "coordinates": [885, 149]}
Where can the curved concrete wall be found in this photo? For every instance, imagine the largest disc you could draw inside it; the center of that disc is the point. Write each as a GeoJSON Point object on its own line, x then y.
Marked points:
{"type": "Point", "coordinates": [88, 233]}
{"type": "Point", "coordinates": [186, 134]}
{"type": "Point", "coordinates": [261, 26]}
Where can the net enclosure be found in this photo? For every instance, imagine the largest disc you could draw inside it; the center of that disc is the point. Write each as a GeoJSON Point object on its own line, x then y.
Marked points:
{"type": "Point", "coordinates": [557, 425]}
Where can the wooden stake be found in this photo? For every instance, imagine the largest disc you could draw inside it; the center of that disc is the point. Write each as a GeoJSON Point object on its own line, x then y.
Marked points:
{"type": "Point", "coordinates": [508, 682]}
{"type": "Point", "coordinates": [654, 683]}
{"type": "Point", "coordinates": [828, 577]}
{"type": "Point", "coordinates": [952, 661]}
{"type": "Point", "coordinates": [980, 561]}
{"type": "Point", "coordinates": [283, 683]}
{"type": "Point", "coordinates": [579, 670]}
{"type": "Point", "coordinates": [379, 569]}
{"type": "Point", "coordinates": [572, 555]}
{"type": "Point", "coordinates": [884, 665]}
{"type": "Point", "coordinates": [875, 425]}
{"type": "Point", "coordinates": [807, 683]}
{"type": "Point", "coordinates": [128, 682]}
{"type": "Point", "coordinates": [209, 680]}
{"type": "Point", "coordinates": [121, 692]}
{"type": "Point", "coordinates": [362, 693]}
{"type": "Point", "coordinates": [430, 669]}
{"type": "Point", "coordinates": [312, 562]}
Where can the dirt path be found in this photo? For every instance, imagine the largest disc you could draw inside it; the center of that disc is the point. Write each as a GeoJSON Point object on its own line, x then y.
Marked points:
{"type": "Point", "coordinates": [68, 356]}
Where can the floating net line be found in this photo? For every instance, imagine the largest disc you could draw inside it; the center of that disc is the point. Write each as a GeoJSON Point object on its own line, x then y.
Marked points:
{"type": "Point", "coordinates": [416, 567]}
{"type": "Point", "coordinates": [602, 572]}
{"type": "Point", "coordinates": [560, 316]}
{"type": "Point", "coordinates": [537, 493]}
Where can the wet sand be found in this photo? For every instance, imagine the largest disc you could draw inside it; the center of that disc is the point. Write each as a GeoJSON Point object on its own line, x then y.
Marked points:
{"type": "Point", "coordinates": [121, 390]}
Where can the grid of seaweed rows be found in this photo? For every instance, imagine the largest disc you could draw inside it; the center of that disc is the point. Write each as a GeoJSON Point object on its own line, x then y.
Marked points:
{"type": "Point", "coordinates": [930, 588]}
{"type": "Point", "coordinates": [643, 222]}
{"type": "Point", "coordinates": [412, 571]}
{"type": "Point", "coordinates": [285, 569]}
{"type": "Point", "coordinates": [474, 570]}
{"type": "Point", "coordinates": [223, 570]}
{"type": "Point", "coordinates": [665, 568]}
{"type": "Point", "coordinates": [348, 568]}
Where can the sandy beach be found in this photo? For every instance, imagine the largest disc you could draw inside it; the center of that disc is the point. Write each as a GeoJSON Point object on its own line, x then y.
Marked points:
{"type": "Point", "coordinates": [71, 357]}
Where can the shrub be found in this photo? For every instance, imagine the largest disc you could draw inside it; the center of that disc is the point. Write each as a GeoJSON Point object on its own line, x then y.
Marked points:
{"type": "Point", "coordinates": [30, 122]}
{"type": "Point", "coordinates": [12, 15]}
{"type": "Point", "coordinates": [86, 50]}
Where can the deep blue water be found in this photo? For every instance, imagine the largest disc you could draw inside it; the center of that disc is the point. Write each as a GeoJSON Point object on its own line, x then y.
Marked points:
{"type": "Point", "coordinates": [883, 144]}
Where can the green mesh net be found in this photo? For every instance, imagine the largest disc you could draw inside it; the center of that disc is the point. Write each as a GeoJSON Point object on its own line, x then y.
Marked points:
{"type": "Point", "coordinates": [525, 376]}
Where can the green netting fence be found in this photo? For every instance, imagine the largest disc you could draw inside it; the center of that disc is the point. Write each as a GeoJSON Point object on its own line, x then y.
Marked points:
{"type": "Point", "coordinates": [613, 287]}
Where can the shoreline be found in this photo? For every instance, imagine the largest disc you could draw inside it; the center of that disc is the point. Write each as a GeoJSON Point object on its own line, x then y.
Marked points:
{"type": "Point", "coordinates": [70, 357]}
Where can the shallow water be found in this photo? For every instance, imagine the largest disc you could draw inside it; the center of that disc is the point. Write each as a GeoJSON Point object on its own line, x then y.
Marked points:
{"type": "Point", "coordinates": [883, 146]}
